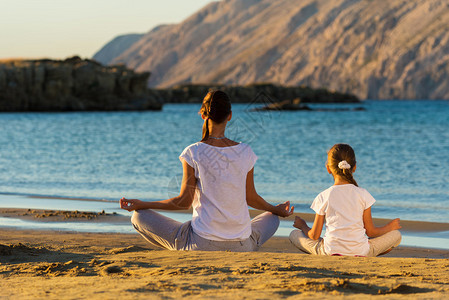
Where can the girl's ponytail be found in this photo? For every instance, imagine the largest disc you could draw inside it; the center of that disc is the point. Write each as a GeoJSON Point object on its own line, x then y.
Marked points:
{"type": "Point", "coordinates": [347, 174]}
{"type": "Point", "coordinates": [341, 161]}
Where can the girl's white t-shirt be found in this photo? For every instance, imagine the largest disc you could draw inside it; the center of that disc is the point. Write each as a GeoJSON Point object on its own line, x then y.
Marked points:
{"type": "Point", "coordinates": [220, 211]}
{"type": "Point", "coordinates": [343, 207]}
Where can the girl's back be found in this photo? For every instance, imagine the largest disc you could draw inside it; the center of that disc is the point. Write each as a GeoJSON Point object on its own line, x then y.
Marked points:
{"type": "Point", "coordinates": [343, 206]}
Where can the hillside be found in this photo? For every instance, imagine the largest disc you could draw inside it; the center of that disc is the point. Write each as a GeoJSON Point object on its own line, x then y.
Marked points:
{"type": "Point", "coordinates": [115, 48]}
{"type": "Point", "coordinates": [395, 49]}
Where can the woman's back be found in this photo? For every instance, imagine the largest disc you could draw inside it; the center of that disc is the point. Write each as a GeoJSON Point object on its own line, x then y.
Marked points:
{"type": "Point", "coordinates": [219, 207]}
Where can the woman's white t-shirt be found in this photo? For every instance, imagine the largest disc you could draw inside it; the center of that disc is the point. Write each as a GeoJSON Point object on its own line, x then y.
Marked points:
{"type": "Point", "coordinates": [220, 211]}
{"type": "Point", "coordinates": [343, 207]}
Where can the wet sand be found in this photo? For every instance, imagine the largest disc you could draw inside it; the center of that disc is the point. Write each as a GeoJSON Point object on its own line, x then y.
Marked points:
{"type": "Point", "coordinates": [46, 215]}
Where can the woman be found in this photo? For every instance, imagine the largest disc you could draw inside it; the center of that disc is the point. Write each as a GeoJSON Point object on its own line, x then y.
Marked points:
{"type": "Point", "coordinates": [218, 182]}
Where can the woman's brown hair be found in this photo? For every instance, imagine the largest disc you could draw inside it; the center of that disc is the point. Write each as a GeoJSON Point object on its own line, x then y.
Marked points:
{"type": "Point", "coordinates": [216, 107]}
{"type": "Point", "coordinates": [337, 154]}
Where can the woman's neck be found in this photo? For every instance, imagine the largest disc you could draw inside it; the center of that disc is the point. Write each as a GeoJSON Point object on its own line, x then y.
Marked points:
{"type": "Point", "coordinates": [217, 130]}
{"type": "Point", "coordinates": [217, 136]}
{"type": "Point", "coordinates": [217, 133]}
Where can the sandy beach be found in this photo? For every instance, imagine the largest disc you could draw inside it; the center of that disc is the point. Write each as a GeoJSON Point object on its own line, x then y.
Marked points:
{"type": "Point", "coordinates": [69, 265]}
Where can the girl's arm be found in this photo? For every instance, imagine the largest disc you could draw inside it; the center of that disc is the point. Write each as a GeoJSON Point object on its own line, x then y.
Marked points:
{"type": "Point", "coordinates": [315, 232]}
{"type": "Point", "coordinates": [255, 201]}
{"type": "Point", "coordinates": [183, 201]}
{"type": "Point", "coordinates": [373, 231]}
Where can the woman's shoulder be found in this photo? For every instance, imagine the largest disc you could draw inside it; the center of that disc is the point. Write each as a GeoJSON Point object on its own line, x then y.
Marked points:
{"type": "Point", "coordinates": [194, 145]}
{"type": "Point", "coordinates": [192, 148]}
{"type": "Point", "coordinates": [246, 149]}
{"type": "Point", "coordinates": [237, 149]}
{"type": "Point", "coordinates": [245, 146]}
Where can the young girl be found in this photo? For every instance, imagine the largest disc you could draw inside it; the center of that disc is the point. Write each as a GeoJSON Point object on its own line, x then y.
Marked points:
{"type": "Point", "coordinates": [346, 208]}
{"type": "Point", "coordinates": [218, 182]}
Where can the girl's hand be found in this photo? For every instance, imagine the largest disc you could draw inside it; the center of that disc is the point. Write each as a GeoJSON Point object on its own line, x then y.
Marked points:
{"type": "Point", "coordinates": [284, 209]}
{"type": "Point", "coordinates": [395, 224]}
{"type": "Point", "coordinates": [300, 224]}
{"type": "Point", "coordinates": [130, 204]}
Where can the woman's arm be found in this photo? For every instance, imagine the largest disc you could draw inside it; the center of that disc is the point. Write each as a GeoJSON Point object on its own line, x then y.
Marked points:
{"type": "Point", "coordinates": [315, 232]}
{"type": "Point", "coordinates": [183, 201]}
{"type": "Point", "coordinates": [373, 231]}
{"type": "Point", "coordinates": [255, 201]}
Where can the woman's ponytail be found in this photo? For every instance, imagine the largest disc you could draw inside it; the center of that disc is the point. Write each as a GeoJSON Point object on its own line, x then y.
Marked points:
{"type": "Point", "coordinates": [205, 130]}
{"type": "Point", "coordinates": [216, 107]}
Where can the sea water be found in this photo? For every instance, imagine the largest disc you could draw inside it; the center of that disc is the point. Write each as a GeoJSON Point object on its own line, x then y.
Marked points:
{"type": "Point", "coordinates": [402, 150]}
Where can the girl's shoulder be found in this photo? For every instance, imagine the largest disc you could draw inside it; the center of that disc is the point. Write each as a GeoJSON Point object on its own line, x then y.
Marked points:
{"type": "Point", "coordinates": [351, 190]}
{"type": "Point", "coordinates": [344, 193]}
{"type": "Point", "coordinates": [344, 188]}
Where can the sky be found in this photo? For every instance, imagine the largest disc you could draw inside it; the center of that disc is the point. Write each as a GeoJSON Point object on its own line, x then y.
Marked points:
{"type": "Point", "coordinates": [62, 28]}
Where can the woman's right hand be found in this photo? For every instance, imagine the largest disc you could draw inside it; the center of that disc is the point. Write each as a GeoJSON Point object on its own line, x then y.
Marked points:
{"type": "Point", "coordinates": [284, 209]}
{"type": "Point", "coordinates": [131, 204]}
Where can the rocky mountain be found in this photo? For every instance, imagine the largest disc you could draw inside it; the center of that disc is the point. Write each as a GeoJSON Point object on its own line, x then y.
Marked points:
{"type": "Point", "coordinates": [116, 47]}
{"type": "Point", "coordinates": [73, 84]}
{"type": "Point", "coordinates": [396, 49]}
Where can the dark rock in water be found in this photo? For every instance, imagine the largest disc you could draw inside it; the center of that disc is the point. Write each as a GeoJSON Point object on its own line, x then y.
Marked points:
{"type": "Point", "coordinates": [293, 105]}
{"type": "Point", "coordinates": [340, 109]}
{"type": "Point", "coordinates": [73, 84]}
{"type": "Point", "coordinates": [265, 93]}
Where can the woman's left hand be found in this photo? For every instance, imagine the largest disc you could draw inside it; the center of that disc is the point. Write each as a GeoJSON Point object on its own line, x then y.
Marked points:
{"type": "Point", "coordinates": [130, 204]}
{"type": "Point", "coordinates": [284, 209]}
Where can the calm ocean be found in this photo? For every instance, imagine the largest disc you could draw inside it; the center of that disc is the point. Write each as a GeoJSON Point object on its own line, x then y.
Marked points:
{"type": "Point", "coordinates": [402, 151]}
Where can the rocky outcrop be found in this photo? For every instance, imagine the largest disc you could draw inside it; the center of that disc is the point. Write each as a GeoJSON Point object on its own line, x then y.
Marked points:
{"type": "Point", "coordinates": [295, 105]}
{"type": "Point", "coordinates": [289, 105]}
{"type": "Point", "coordinates": [375, 49]}
{"type": "Point", "coordinates": [115, 48]}
{"type": "Point", "coordinates": [72, 85]}
{"type": "Point", "coordinates": [254, 93]}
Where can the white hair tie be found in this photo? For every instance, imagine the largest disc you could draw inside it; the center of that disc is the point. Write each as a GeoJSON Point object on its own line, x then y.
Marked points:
{"type": "Point", "coordinates": [344, 165]}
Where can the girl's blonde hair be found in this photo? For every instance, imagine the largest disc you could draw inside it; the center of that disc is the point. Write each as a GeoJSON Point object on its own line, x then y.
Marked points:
{"type": "Point", "coordinates": [337, 154]}
{"type": "Point", "coordinates": [216, 107]}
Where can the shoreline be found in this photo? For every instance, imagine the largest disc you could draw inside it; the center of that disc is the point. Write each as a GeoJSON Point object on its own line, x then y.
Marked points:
{"type": "Point", "coordinates": [408, 225]}
{"type": "Point", "coordinates": [428, 236]}
{"type": "Point", "coordinates": [50, 215]}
